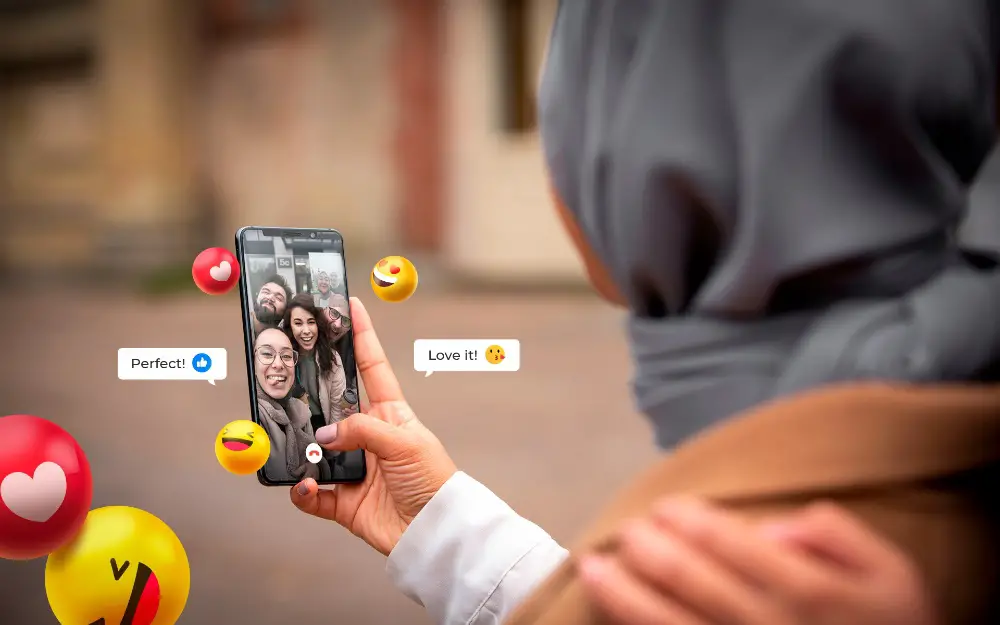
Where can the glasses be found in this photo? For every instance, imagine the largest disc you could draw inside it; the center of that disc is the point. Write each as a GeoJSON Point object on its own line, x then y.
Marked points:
{"type": "Point", "coordinates": [335, 315]}
{"type": "Point", "coordinates": [266, 356]}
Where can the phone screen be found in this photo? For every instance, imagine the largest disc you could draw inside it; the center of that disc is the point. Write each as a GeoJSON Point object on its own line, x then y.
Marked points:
{"type": "Point", "coordinates": [300, 349]}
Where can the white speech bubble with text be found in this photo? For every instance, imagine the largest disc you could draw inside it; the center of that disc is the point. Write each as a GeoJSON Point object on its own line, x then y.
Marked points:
{"type": "Point", "coordinates": [172, 363]}
{"type": "Point", "coordinates": [438, 355]}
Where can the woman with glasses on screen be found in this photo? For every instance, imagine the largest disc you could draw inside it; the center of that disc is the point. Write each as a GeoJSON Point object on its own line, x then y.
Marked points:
{"type": "Point", "coordinates": [282, 414]}
{"type": "Point", "coordinates": [338, 314]}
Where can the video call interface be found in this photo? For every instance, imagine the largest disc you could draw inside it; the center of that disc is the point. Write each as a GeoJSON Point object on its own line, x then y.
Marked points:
{"type": "Point", "coordinates": [305, 376]}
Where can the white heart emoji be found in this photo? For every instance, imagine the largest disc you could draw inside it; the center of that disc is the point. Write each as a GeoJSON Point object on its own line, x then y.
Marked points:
{"type": "Point", "coordinates": [221, 272]}
{"type": "Point", "coordinates": [38, 498]}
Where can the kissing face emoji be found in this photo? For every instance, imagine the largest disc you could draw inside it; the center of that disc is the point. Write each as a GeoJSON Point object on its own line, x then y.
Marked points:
{"type": "Point", "coordinates": [125, 567]}
{"type": "Point", "coordinates": [242, 447]}
{"type": "Point", "coordinates": [394, 279]}
{"type": "Point", "coordinates": [494, 354]}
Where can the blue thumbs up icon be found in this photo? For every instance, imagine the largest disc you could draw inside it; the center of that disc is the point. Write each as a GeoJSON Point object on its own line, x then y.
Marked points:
{"type": "Point", "coordinates": [201, 363]}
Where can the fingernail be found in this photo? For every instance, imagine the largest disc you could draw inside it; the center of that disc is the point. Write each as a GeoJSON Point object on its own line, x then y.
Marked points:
{"type": "Point", "coordinates": [303, 489]}
{"type": "Point", "coordinates": [326, 434]}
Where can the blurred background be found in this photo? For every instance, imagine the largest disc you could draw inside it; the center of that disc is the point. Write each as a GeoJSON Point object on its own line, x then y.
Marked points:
{"type": "Point", "coordinates": [134, 133]}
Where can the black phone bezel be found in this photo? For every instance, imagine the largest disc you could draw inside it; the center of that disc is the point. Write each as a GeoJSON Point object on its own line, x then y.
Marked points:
{"type": "Point", "coordinates": [248, 338]}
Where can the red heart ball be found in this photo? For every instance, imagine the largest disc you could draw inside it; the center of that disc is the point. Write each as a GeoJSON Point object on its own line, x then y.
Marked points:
{"type": "Point", "coordinates": [215, 271]}
{"type": "Point", "coordinates": [45, 487]}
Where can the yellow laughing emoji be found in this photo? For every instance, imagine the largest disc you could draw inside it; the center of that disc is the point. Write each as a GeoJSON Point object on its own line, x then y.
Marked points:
{"type": "Point", "coordinates": [125, 567]}
{"type": "Point", "coordinates": [394, 279]}
{"type": "Point", "coordinates": [242, 447]}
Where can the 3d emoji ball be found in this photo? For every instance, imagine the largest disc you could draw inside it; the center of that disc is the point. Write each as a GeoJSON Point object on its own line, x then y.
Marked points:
{"type": "Point", "coordinates": [126, 566]}
{"type": "Point", "coordinates": [45, 487]}
{"type": "Point", "coordinates": [394, 279]}
{"type": "Point", "coordinates": [215, 271]}
{"type": "Point", "coordinates": [242, 447]}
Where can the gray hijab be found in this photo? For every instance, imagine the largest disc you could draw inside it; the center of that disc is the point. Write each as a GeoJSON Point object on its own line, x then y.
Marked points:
{"type": "Point", "coordinates": [777, 189]}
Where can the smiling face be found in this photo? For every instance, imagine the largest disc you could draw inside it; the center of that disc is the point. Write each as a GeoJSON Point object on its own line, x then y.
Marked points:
{"type": "Point", "coordinates": [274, 363]}
{"type": "Point", "coordinates": [304, 329]}
{"type": "Point", "coordinates": [323, 282]}
{"type": "Point", "coordinates": [339, 317]}
{"type": "Point", "coordinates": [495, 354]}
{"type": "Point", "coordinates": [242, 447]}
{"type": "Point", "coordinates": [394, 279]}
{"type": "Point", "coordinates": [125, 567]}
{"type": "Point", "coordinates": [270, 304]}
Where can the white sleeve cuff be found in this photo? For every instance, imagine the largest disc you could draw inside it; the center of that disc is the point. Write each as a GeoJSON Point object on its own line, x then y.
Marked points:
{"type": "Point", "coordinates": [468, 558]}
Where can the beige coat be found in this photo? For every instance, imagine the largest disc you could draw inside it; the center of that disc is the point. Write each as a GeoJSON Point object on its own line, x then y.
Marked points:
{"type": "Point", "coordinates": [332, 385]}
{"type": "Point", "coordinates": [331, 391]}
{"type": "Point", "coordinates": [918, 464]}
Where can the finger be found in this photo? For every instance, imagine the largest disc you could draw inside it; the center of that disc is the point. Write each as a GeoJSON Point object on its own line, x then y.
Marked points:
{"type": "Point", "coordinates": [626, 600]}
{"type": "Point", "coordinates": [830, 532]}
{"type": "Point", "coordinates": [667, 563]}
{"type": "Point", "coordinates": [362, 431]}
{"type": "Point", "coordinates": [308, 498]}
{"type": "Point", "coordinates": [380, 382]}
{"type": "Point", "coordinates": [737, 545]}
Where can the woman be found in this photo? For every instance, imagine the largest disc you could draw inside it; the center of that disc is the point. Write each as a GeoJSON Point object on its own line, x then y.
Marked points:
{"type": "Point", "coordinates": [772, 191]}
{"type": "Point", "coordinates": [458, 550]}
{"type": "Point", "coordinates": [284, 417]}
{"type": "Point", "coordinates": [319, 370]}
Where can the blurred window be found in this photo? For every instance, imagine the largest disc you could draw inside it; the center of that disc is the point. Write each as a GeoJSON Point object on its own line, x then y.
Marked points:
{"type": "Point", "coordinates": [45, 35]}
{"type": "Point", "coordinates": [238, 18]}
{"type": "Point", "coordinates": [517, 65]}
{"type": "Point", "coordinates": [18, 7]}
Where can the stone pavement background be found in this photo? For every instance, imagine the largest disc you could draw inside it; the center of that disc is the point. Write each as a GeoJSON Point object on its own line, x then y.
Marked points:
{"type": "Point", "coordinates": [553, 440]}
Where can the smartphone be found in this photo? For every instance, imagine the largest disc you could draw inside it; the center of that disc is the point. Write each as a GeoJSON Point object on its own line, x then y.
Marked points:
{"type": "Point", "coordinates": [299, 349]}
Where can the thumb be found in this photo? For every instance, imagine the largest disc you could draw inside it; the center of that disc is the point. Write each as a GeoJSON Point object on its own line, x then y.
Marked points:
{"type": "Point", "coordinates": [307, 497]}
{"type": "Point", "coordinates": [362, 431]}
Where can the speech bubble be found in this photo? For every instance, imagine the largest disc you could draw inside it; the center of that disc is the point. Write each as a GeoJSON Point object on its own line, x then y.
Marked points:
{"type": "Point", "coordinates": [172, 363]}
{"type": "Point", "coordinates": [430, 355]}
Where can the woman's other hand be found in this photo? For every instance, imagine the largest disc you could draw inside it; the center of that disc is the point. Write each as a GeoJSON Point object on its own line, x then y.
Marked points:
{"type": "Point", "coordinates": [690, 564]}
{"type": "Point", "coordinates": [407, 464]}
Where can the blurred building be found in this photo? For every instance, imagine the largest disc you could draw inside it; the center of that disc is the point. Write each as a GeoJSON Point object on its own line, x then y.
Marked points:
{"type": "Point", "coordinates": [135, 132]}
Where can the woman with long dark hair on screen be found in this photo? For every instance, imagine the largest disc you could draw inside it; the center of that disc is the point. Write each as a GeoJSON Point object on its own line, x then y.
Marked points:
{"type": "Point", "coordinates": [320, 380]}
{"type": "Point", "coordinates": [320, 370]}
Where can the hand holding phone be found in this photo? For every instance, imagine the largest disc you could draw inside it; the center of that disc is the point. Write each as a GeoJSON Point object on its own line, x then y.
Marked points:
{"type": "Point", "coordinates": [412, 463]}
{"type": "Point", "coordinates": [299, 345]}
